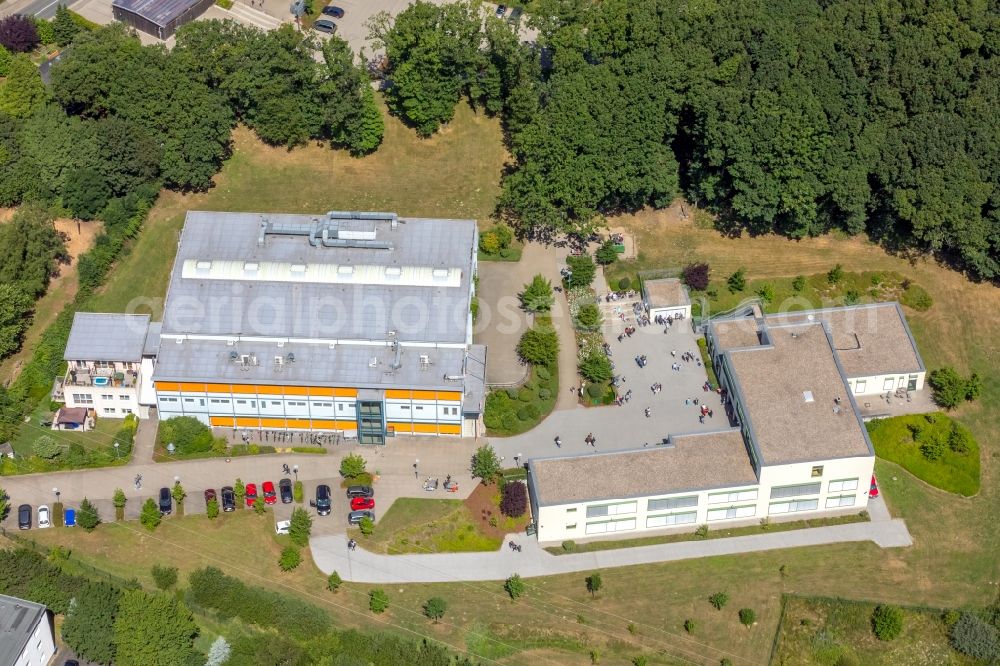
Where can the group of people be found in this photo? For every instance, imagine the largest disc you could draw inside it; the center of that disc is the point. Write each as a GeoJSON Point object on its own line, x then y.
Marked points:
{"type": "Point", "coordinates": [656, 388]}
{"type": "Point", "coordinates": [641, 361]}
{"type": "Point", "coordinates": [705, 411]}
{"type": "Point", "coordinates": [620, 295]}
{"type": "Point", "coordinates": [621, 399]}
{"type": "Point", "coordinates": [590, 439]}
{"type": "Point", "coordinates": [629, 331]}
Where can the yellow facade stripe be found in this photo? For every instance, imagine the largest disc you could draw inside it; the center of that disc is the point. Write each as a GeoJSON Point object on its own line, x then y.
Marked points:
{"type": "Point", "coordinates": [425, 428]}
{"type": "Point", "coordinates": [454, 396]}
{"type": "Point", "coordinates": [400, 427]}
{"type": "Point", "coordinates": [272, 423]}
{"type": "Point", "coordinates": [397, 394]}
{"type": "Point", "coordinates": [345, 392]}
{"type": "Point", "coordinates": [425, 395]}
{"type": "Point", "coordinates": [322, 424]}
{"type": "Point", "coordinates": [296, 390]}
{"type": "Point", "coordinates": [168, 386]}
{"type": "Point", "coordinates": [244, 388]}
{"type": "Point", "coordinates": [298, 423]}
{"type": "Point", "coordinates": [319, 391]}
{"type": "Point", "coordinates": [192, 387]}
{"type": "Point", "coordinates": [269, 390]}
{"type": "Point", "coordinates": [221, 421]}
{"type": "Point", "coordinates": [247, 422]}
{"type": "Point", "coordinates": [218, 388]}
{"type": "Point", "coordinates": [347, 425]}
{"type": "Point", "coordinates": [448, 429]}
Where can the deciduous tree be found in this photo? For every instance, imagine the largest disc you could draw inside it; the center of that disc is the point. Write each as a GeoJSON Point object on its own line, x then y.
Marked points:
{"type": "Point", "coordinates": [153, 630]}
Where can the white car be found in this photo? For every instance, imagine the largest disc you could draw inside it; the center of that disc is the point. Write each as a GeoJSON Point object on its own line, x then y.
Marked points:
{"type": "Point", "coordinates": [281, 527]}
{"type": "Point", "coordinates": [43, 517]}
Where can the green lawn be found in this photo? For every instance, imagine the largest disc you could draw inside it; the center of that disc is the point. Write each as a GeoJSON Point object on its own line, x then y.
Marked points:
{"type": "Point", "coordinates": [614, 544]}
{"type": "Point", "coordinates": [414, 525]}
{"type": "Point", "coordinates": [829, 632]}
{"type": "Point", "coordinates": [97, 443]}
{"type": "Point", "coordinates": [955, 472]}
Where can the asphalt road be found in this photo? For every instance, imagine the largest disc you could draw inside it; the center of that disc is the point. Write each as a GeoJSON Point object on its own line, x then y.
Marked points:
{"type": "Point", "coordinates": [45, 9]}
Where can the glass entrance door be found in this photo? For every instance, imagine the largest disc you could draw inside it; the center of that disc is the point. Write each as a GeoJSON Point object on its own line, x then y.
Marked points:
{"type": "Point", "coordinates": [371, 425]}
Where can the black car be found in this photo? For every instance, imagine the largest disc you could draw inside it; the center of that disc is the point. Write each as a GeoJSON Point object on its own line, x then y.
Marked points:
{"type": "Point", "coordinates": [322, 501]}
{"type": "Point", "coordinates": [360, 491]}
{"type": "Point", "coordinates": [354, 517]}
{"type": "Point", "coordinates": [515, 15]}
{"type": "Point", "coordinates": [285, 491]}
{"type": "Point", "coordinates": [335, 12]}
{"type": "Point", "coordinates": [501, 10]}
{"type": "Point", "coordinates": [228, 499]}
{"type": "Point", "coordinates": [324, 25]}
{"type": "Point", "coordinates": [24, 517]}
{"type": "Point", "coordinates": [166, 501]}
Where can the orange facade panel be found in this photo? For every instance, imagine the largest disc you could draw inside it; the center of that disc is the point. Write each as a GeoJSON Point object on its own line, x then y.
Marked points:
{"type": "Point", "coordinates": [296, 390]}
{"type": "Point", "coordinates": [345, 392]}
{"type": "Point", "coordinates": [449, 429]}
{"type": "Point", "coordinates": [272, 423]}
{"type": "Point", "coordinates": [190, 387]}
{"type": "Point", "coordinates": [269, 390]}
{"type": "Point", "coordinates": [168, 386]}
{"type": "Point", "coordinates": [247, 422]}
{"type": "Point", "coordinates": [397, 394]}
{"type": "Point", "coordinates": [298, 423]}
{"type": "Point", "coordinates": [221, 421]}
{"type": "Point", "coordinates": [244, 388]}
{"type": "Point", "coordinates": [400, 427]}
{"type": "Point", "coordinates": [425, 428]}
{"type": "Point", "coordinates": [453, 396]}
{"type": "Point", "coordinates": [425, 395]}
{"type": "Point", "coordinates": [218, 388]}
{"type": "Point", "coordinates": [321, 392]}
{"type": "Point", "coordinates": [324, 424]}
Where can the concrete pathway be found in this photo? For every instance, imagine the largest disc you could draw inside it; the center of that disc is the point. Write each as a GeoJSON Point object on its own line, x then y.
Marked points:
{"type": "Point", "coordinates": [145, 442]}
{"type": "Point", "coordinates": [330, 554]}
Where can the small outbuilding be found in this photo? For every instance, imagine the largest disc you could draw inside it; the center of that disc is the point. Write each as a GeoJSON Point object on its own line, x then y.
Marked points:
{"type": "Point", "coordinates": [73, 418]}
{"type": "Point", "coordinates": [159, 18]}
{"type": "Point", "coordinates": [667, 297]}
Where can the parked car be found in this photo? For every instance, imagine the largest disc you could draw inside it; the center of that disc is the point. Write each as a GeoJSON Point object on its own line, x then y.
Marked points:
{"type": "Point", "coordinates": [354, 517]}
{"type": "Point", "coordinates": [69, 519]}
{"type": "Point", "coordinates": [71, 662]}
{"type": "Point", "coordinates": [360, 491]}
{"type": "Point", "coordinates": [269, 496]}
{"type": "Point", "coordinates": [228, 498]}
{"type": "Point", "coordinates": [251, 493]}
{"type": "Point", "coordinates": [166, 501]}
{"type": "Point", "coordinates": [322, 501]}
{"type": "Point", "coordinates": [515, 15]}
{"type": "Point", "coordinates": [361, 503]}
{"type": "Point", "coordinates": [210, 495]}
{"type": "Point", "coordinates": [873, 489]}
{"type": "Point", "coordinates": [323, 25]}
{"type": "Point", "coordinates": [335, 12]}
{"type": "Point", "coordinates": [285, 491]}
{"type": "Point", "coordinates": [282, 526]}
{"type": "Point", "coordinates": [24, 517]}
{"type": "Point", "coordinates": [43, 517]}
{"type": "Point", "coordinates": [501, 10]}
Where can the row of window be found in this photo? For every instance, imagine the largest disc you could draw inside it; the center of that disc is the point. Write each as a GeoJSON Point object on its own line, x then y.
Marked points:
{"type": "Point", "coordinates": [88, 398]}
{"type": "Point", "coordinates": [111, 410]}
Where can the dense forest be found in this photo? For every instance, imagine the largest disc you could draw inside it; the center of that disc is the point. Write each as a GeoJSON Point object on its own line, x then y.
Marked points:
{"type": "Point", "coordinates": [792, 116]}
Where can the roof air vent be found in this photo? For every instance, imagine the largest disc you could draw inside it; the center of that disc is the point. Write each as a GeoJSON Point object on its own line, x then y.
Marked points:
{"type": "Point", "coordinates": [808, 396]}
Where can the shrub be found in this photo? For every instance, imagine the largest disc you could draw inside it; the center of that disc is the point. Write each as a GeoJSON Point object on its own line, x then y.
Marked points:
{"type": "Point", "coordinates": [543, 373]}
{"type": "Point", "coordinates": [748, 616]}
{"type": "Point", "coordinates": [737, 281]}
{"type": "Point", "coordinates": [582, 269]}
{"type": "Point", "coordinates": [639, 660]}
{"type": "Point", "coordinates": [950, 388]}
{"type": "Point", "coordinates": [434, 608]}
{"type": "Point", "coordinates": [588, 317]}
{"type": "Point", "coordinates": [5, 60]}
{"type": "Point", "coordinates": [702, 531]}
{"type": "Point", "coordinates": [959, 439]}
{"type": "Point", "coordinates": [164, 577]}
{"type": "Point", "coordinates": [719, 600]}
{"type": "Point", "coordinates": [46, 447]}
{"type": "Point", "coordinates": [887, 622]}
{"type": "Point", "coordinates": [595, 391]}
{"type": "Point", "coordinates": [485, 464]}
{"type": "Point", "coordinates": [367, 526]}
{"type": "Point", "coordinates": [537, 295]}
{"type": "Point", "coordinates": [799, 283]}
{"type": "Point", "coordinates": [150, 515]}
{"type": "Point", "coordinates": [544, 394]}
{"type": "Point", "coordinates": [18, 33]}
{"type": "Point", "coordinates": [973, 636]}
{"type": "Point", "coordinates": [290, 558]}
{"type": "Point", "coordinates": [596, 367]}
{"type": "Point", "coordinates": [59, 515]}
{"type": "Point", "coordinates": [766, 292]}
{"type": "Point", "coordinates": [689, 626]}
{"type": "Point", "coordinates": [489, 243]}
{"type": "Point", "coordinates": [514, 499]}
{"type": "Point", "coordinates": [950, 617]}
{"type": "Point", "coordinates": [352, 466]}
{"type": "Point", "coordinates": [594, 583]}
{"type": "Point", "coordinates": [696, 276]}
{"type": "Point", "coordinates": [916, 297]}
{"type": "Point", "coordinates": [212, 509]}
{"type": "Point", "coordinates": [526, 395]}
{"type": "Point", "coordinates": [298, 494]}
{"type": "Point", "coordinates": [529, 413]}
{"type": "Point", "coordinates": [333, 582]}
{"type": "Point", "coordinates": [301, 527]}
{"type": "Point", "coordinates": [514, 586]}
{"type": "Point", "coordinates": [835, 275]}
{"type": "Point", "coordinates": [624, 284]}
{"type": "Point", "coordinates": [569, 545]}
{"type": "Point", "coordinates": [188, 434]}
{"type": "Point", "coordinates": [852, 297]}
{"type": "Point", "coordinates": [378, 600]}
{"type": "Point", "coordinates": [539, 345]}
{"type": "Point", "coordinates": [87, 517]}
{"type": "Point", "coordinates": [119, 501]}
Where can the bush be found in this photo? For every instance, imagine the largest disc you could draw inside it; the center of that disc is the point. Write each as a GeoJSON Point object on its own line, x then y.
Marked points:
{"type": "Point", "coordinates": [186, 433]}
{"type": "Point", "coordinates": [485, 464]}
{"type": "Point", "coordinates": [119, 501]}
{"type": "Point", "coordinates": [301, 527]}
{"type": "Point", "coordinates": [290, 558]}
{"type": "Point", "coordinates": [298, 494]}
{"type": "Point", "coordinates": [543, 373]}
{"type": "Point", "coordinates": [489, 243]}
{"type": "Point", "coordinates": [719, 600]}
{"type": "Point", "coordinates": [582, 269]}
{"type": "Point", "coordinates": [747, 617]}
{"type": "Point", "coordinates": [539, 345]}
{"type": "Point", "coordinates": [595, 391]}
{"type": "Point", "coordinates": [164, 577]}
{"type": "Point", "coordinates": [150, 515]}
{"type": "Point", "coordinates": [737, 281]}
{"type": "Point", "coordinates": [973, 636]}
{"type": "Point", "coordinates": [959, 439]}
{"type": "Point", "coordinates": [526, 395]}
{"type": "Point", "coordinates": [696, 276]}
{"type": "Point", "coordinates": [514, 586]}
{"type": "Point", "coordinates": [59, 515]}
{"type": "Point", "coordinates": [47, 447]}
{"type": "Point", "coordinates": [334, 581]}
{"type": "Point", "coordinates": [352, 466]}
{"type": "Point", "coordinates": [835, 275]}
{"type": "Point", "coordinates": [212, 509]}
{"type": "Point", "coordinates": [5, 60]}
{"type": "Point", "coordinates": [18, 34]}
{"type": "Point", "coordinates": [887, 622]}
{"type": "Point", "coordinates": [916, 297]}
{"type": "Point", "coordinates": [434, 608]}
{"type": "Point", "coordinates": [569, 546]}
{"type": "Point", "coordinates": [378, 600]}
{"type": "Point", "coordinates": [544, 394]}
{"type": "Point", "coordinates": [537, 295]}
{"type": "Point", "coordinates": [606, 254]}
{"type": "Point", "coordinates": [689, 626]}
{"type": "Point", "coordinates": [950, 388]}
{"type": "Point", "coordinates": [588, 317]}
{"type": "Point", "coordinates": [596, 368]}
{"type": "Point", "coordinates": [87, 517]}
{"type": "Point", "coordinates": [624, 284]}
{"type": "Point", "coordinates": [529, 413]}
{"type": "Point", "coordinates": [367, 526]}
{"type": "Point", "coordinates": [766, 292]}
{"type": "Point", "coordinates": [514, 499]}
{"type": "Point", "coordinates": [799, 283]}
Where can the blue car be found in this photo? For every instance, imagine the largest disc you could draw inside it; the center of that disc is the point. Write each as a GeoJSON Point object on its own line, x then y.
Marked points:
{"type": "Point", "coordinates": [70, 518]}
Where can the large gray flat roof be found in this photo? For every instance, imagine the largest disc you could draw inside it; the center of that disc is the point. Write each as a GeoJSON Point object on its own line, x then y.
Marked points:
{"type": "Point", "coordinates": [327, 309]}
{"type": "Point", "coordinates": [97, 336]}
{"type": "Point", "coordinates": [18, 619]}
{"type": "Point", "coordinates": [314, 364]}
{"type": "Point", "coordinates": [799, 405]}
{"type": "Point", "coordinates": [695, 462]}
{"type": "Point", "coordinates": [160, 12]}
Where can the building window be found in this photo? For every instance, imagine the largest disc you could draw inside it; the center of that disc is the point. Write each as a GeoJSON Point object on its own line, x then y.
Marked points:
{"type": "Point", "coordinates": [123, 396]}
{"type": "Point", "coordinates": [732, 512]}
{"type": "Point", "coordinates": [842, 485]}
{"type": "Point", "coordinates": [405, 407]}
{"type": "Point", "coordinates": [887, 384]}
{"type": "Point", "coordinates": [672, 519]}
{"type": "Point", "coordinates": [107, 396]}
{"type": "Point", "coordinates": [735, 496]}
{"type": "Point", "coordinates": [611, 526]}
{"type": "Point", "coordinates": [671, 503]}
{"type": "Point", "coordinates": [860, 386]}
{"type": "Point", "coordinates": [843, 500]}
{"type": "Point", "coordinates": [793, 506]}
{"type": "Point", "coordinates": [571, 527]}
{"type": "Point", "coordinates": [792, 491]}
{"type": "Point", "coordinates": [126, 410]}
{"type": "Point", "coordinates": [611, 509]}
{"type": "Point", "coordinates": [817, 471]}
{"type": "Point", "coordinates": [573, 510]}
{"type": "Point", "coordinates": [83, 398]}
{"type": "Point", "coordinates": [109, 410]}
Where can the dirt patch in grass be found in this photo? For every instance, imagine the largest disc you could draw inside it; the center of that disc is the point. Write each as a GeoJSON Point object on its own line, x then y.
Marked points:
{"type": "Point", "coordinates": [418, 525]}
{"type": "Point", "coordinates": [484, 505]}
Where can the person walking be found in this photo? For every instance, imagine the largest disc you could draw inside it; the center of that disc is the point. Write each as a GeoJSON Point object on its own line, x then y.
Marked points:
{"type": "Point", "coordinates": [558, 442]}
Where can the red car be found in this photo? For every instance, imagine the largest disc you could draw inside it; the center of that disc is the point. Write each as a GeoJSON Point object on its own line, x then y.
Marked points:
{"type": "Point", "coordinates": [269, 496]}
{"type": "Point", "coordinates": [362, 503]}
{"type": "Point", "coordinates": [251, 493]}
{"type": "Point", "coordinates": [873, 490]}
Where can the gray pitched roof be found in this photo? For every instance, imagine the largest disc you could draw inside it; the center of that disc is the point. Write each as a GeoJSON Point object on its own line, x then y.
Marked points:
{"type": "Point", "coordinates": [160, 12]}
{"type": "Point", "coordinates": [97, 336]}
{"type": "Point", "coordinates": [18, 619]}
{"type": "Point", "coordinates": [328, 310]}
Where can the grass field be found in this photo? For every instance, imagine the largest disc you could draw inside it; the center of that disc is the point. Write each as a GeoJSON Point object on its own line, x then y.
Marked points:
{"type": "Point", "coordinates": [955, 472]}
{"type": "Point", "coordinates": [455, 174]}
{"type": "Point", "coordinates": [426, 525]}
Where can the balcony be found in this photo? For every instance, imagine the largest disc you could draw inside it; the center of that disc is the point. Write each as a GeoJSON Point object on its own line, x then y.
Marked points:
{"type": "Point", "coordinates": [99, 377]}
